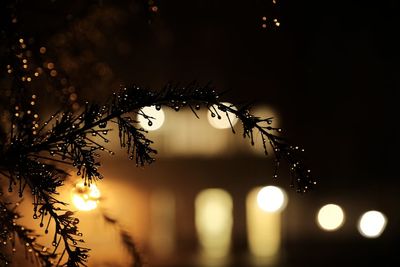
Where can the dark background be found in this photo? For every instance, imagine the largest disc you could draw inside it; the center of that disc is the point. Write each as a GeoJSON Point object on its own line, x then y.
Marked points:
{"type": "Point", "coordinates": [331, 69]}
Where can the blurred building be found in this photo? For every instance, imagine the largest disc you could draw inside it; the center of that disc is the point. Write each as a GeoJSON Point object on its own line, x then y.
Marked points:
{"type": "Point", "coordinates": [200, 204]}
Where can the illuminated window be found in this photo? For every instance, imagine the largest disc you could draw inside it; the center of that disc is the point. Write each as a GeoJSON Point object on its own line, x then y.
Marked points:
{"type": "Point", "coordinates": [213, 218]}
{"type": "Point", "coordinates": [372, 224]}
{"type": "Point", "coordinates": [263, 207]}
{"type": "Point", "coordinates": [185, 135]}
{"type": "Point", "coordinates": [330, 217]}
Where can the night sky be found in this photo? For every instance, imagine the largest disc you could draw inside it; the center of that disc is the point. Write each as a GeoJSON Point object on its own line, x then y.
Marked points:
{"type": "Point", "coordinates": [329, 69]}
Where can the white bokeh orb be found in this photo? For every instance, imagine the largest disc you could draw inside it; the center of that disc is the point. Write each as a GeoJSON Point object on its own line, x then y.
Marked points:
{"type": "Point", "coordinates": [330, 217]}
{"type": "Point", "coordinates": [156, 118]}
{"type": "Point", "coordinates": [271, 199]}
{"type": "Point", "coordinates": [223, 121]}
{"type": "Point", "coordinates": [372, 224]}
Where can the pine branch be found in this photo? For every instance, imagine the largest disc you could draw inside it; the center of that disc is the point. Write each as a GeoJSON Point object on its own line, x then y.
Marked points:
{"type": "Point", "coordinates": [11, 231]}
{"type": "Point", "coordinates": [68, 136]}
{"type": "Point", "coordinates": [28, 150]}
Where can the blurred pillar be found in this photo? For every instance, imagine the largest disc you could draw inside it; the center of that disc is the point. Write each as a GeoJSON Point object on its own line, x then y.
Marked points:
{"type": "Point", "coordinates": [214, 222]}
{"type": "Point", "coordinates": [264, 222]}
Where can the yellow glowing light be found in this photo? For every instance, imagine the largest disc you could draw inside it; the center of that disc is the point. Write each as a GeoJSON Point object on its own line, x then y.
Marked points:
{"type": "Point", "coordinates": [85, 198]}
{"type": "Point", "coordinates": [271, 199]}
{"type": "Point", "coordinates": [372, 224]}
{"type": "Point", "coordinates": [155, 120]}
{"type": "Point", "coordinates": [263, 228]}
{"type": "Point", "coordinates": [219, 119]}
{"type": "Point", "coordinates": [330, 217]}
{"type": "Point", "coordinates": [214, 221]}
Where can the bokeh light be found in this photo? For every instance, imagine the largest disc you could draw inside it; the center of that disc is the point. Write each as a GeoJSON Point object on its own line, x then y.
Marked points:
{"type": "Point", "coordinates": [330, 217]}
{"type": "Point", "coordinates": [155, 118]}
{"type": "Point", "coordinates": [220, 120]}
{"type": "Point", "coordinates": [271, 199]}
{"type": "Point", "coordinates": [85, 198]}
{"type": "Point", "coordinates": [372, 224]}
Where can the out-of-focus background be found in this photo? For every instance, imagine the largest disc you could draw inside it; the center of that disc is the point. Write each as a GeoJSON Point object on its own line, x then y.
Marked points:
{"type": "Point", "coordinates": [328, 74]}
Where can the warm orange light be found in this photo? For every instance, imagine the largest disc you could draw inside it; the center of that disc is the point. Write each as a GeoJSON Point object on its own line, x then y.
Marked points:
{"type": "Point", "coordinates": [85, 198]}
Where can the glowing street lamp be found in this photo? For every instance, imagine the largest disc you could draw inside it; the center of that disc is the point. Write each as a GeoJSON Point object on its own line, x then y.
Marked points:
{"type": "Point", "coordinates": [372, 224]}
{"type": "Point", "coordinates": [330, 217]}
{"type": "Point", "coordinates": [264, 207]}
{"type": "Point", "coordinates": [271, 199]}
